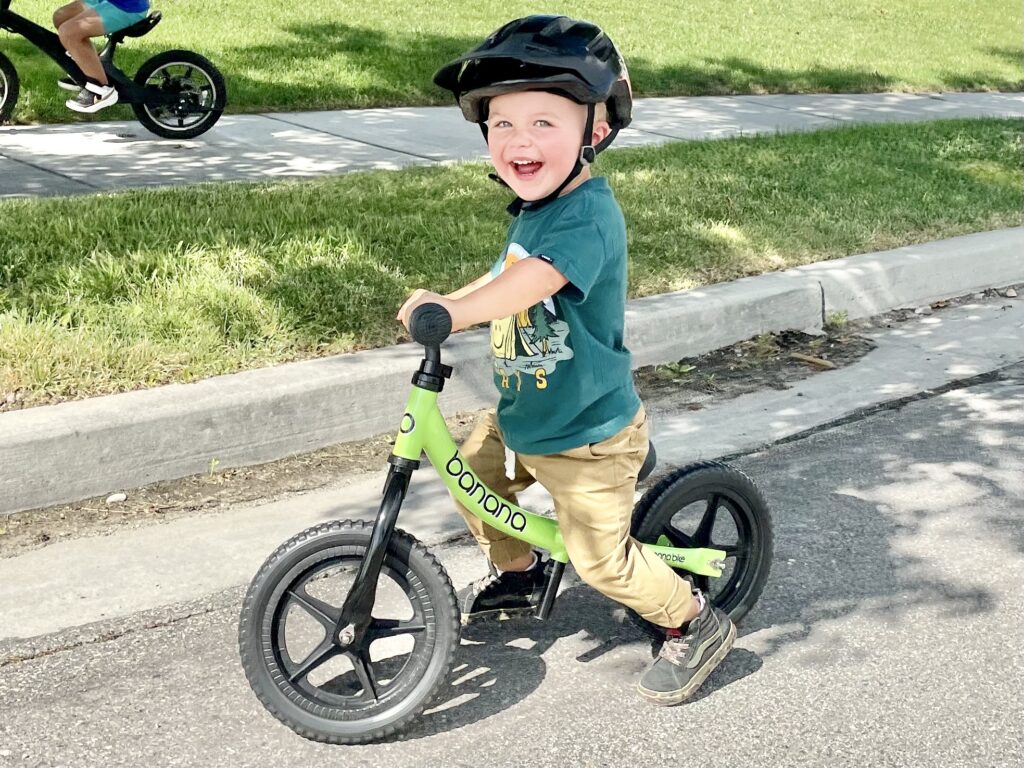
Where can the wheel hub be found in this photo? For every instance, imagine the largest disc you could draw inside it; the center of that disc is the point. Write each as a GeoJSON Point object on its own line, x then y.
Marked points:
{"type": "Point", "coordinates": [347, 636]}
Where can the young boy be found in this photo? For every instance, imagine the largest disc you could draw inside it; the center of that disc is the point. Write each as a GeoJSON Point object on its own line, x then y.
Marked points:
{"type": "Point", "coordinates": [76, 23]}
{"type": "Point", "coordinates": [549, 93]}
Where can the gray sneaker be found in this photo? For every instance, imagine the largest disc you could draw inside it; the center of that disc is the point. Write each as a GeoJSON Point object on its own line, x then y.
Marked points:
{"type": "Point", "coordinates": [688, 656]}
{"type": "Point", "coordinates": [93, 98]}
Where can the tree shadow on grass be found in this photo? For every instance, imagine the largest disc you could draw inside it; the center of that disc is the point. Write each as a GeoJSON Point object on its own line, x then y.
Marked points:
{"type": "Point", "coordinates": [980, 80]}
{"type": "Point", "coordinates": [388, 69]}
{"type": "Point", "coordinates": [735, 75]}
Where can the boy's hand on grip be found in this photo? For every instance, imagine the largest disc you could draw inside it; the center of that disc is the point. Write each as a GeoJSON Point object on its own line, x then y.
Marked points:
{"type": "Point", "coordinates": [420, 296]}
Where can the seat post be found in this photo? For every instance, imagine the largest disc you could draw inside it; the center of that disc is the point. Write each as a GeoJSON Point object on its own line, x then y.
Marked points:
{"type": "Point", "coordinates": [107, 54]}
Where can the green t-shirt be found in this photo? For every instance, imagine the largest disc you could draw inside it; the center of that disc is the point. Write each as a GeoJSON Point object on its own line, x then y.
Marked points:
{"type": "Point", "coordinates": [561, 367]}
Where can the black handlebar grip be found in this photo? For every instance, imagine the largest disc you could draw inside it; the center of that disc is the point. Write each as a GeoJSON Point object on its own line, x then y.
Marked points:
{"type": "Point", "coordinates": [430, 324]}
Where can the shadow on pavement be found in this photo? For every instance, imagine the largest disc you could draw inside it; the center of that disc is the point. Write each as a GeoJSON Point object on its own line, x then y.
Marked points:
{"type": "Point", "coordinates": [887, 528]}
{"type": "Point", "coordinates": [864, 526]}
{"type": "Point", "coordinates": [499, 664]}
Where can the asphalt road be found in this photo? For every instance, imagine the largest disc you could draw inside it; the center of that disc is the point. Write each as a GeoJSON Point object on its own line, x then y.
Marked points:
{"type": "Point", "coordinates": [889, 634]}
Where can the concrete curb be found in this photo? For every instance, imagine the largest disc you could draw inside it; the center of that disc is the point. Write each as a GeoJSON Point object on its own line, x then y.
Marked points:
{"type": "Point", "coordinates": [71, 451]}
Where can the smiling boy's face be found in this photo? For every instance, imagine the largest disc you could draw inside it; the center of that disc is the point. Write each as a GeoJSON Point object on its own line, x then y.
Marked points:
{"type": "Point", "coordinates": [534, 139]}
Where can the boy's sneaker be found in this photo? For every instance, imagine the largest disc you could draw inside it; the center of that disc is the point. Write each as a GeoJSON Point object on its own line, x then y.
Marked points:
{"type": "Point", "coordinates": [93, 98]}
{"type": "Point", "coordinates": [68, 84]}
{"type": "Point", "coordinates": [507, 595]}
{"type": "Point", "coordinates": [688, 656]}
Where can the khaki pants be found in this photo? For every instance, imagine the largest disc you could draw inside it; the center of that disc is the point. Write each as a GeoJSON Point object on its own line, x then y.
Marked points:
{"type": "Point", "coordinates": [592, 487]}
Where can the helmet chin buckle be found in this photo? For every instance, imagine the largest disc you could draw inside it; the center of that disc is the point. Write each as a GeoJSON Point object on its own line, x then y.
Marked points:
{"type": "Point", "coordinates": [587, 154]}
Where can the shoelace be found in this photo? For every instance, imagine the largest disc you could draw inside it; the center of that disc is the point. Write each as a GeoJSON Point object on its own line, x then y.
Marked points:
{"type": "Point", "coordinates": [675, 649]}
{"type": "Point", "coordinates": [483, 583]}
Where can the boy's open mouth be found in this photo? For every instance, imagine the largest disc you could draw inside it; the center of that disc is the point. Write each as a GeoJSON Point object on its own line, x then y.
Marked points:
{"type": "Point", "coordinates": [526, 169]}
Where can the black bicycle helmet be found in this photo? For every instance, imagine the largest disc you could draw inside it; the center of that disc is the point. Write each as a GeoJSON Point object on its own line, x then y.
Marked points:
{"type": "Point", "coordinates": [550, 53]}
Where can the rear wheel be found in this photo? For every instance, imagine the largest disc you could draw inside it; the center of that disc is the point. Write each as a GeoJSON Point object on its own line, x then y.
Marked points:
{"type": "Point", "coordinates": [710, 504]}
{"type": "Point", "coordinates": [10, 86]}
{"type": "Point", "coordinates": [196, 90]}
{"type": "Point", "coordinates": [322, 687]}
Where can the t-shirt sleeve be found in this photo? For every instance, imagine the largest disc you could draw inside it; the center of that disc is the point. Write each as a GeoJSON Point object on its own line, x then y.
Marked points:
{"type": "Point", "coordinates": [578, 251]}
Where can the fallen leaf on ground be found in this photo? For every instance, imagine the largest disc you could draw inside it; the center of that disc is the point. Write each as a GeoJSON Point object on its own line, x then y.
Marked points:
{"type": "Point", "coordinates": [812, 360]}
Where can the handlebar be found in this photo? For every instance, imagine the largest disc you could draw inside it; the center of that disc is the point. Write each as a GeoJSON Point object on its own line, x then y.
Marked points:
{"type": "Point", "coordinates": [430, 325]}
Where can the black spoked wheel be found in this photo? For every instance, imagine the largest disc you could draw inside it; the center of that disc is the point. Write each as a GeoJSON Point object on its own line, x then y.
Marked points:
{"type": "Point", "coordinates": [196, 90]}
{"type": "Point", "coordinates": [306, 677]}
{"type": "Point", "coordinates": [10, 85]}
{"type": "Point", "coordinates": [711, 505]}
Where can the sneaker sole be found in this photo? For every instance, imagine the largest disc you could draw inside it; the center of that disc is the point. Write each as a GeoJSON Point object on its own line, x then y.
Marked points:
{"type": "Point", "coordinates": [671, 698]}
{"type": "Point", "coordinates": [94, 108]}
{"type": "Point", "coordinates": [500, 615]}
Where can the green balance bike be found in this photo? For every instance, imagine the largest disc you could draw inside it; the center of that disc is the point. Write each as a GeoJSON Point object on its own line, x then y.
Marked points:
{"type": "Point", "coordinates": [348, 630]}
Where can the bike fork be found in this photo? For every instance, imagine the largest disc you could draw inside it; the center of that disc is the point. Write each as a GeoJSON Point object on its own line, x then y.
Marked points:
{"type": "Point", "coordinates": [356, 612]}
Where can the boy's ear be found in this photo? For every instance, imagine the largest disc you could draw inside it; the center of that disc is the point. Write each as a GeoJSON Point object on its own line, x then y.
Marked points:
{"type": "Point", "coordinates": [601, 131]}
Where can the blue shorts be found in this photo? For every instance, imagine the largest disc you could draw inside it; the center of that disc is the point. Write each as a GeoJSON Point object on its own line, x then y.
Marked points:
{"type": "Point", "coordinates": [113, 18]}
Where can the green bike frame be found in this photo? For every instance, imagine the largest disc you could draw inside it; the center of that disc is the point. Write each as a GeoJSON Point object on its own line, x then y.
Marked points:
{"type": "Point", "coordinates": [423, 431]}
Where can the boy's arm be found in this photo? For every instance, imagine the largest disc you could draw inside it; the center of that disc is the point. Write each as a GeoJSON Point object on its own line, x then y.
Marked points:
{"type": "Point", "coordinates": [517, 288]}
{"type": "Point", "coordinates": [467, 289]}
{"type": "Point", "coordinates": [420, 296]}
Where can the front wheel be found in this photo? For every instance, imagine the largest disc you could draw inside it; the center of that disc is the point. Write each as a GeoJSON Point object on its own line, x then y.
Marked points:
{"type": "Point", "coordinates": [710, 504]}
{"type": "Point", "coordinates": [10, 85]}
{"type": "Point", "coordinates": [312, 681]}
{"type": "Point", "coordinates": [196, 90]}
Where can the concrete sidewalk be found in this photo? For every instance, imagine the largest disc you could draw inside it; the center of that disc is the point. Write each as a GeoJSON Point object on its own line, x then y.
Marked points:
{"type": "Point", "coordinates": [81, 158]}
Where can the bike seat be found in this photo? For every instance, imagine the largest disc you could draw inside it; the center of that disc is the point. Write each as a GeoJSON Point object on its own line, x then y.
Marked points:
{"type": "Point", "coordinates": [649, 462]}
{"type": "Point", "coordinates": [139, 28]}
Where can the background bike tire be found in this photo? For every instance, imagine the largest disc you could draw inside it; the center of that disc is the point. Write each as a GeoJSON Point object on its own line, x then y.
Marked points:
{"type": "Point", "coordinates": [188, 57]}
{"type": "Point", "coordinates": [13, 87]}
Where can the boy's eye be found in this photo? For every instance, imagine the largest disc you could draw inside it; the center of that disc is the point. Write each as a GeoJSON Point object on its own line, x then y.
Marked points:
{"type": "Point", "coordinates": [502, 124]}
{"type": "Point", "coordinates": [543, 123]}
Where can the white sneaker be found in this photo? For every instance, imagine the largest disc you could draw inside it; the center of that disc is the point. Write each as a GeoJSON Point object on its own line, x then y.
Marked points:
{"type": "Point", "coordinates": [93, 98]}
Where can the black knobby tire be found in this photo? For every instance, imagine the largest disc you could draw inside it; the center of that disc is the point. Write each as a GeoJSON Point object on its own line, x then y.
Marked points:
{"type": "Point", "coordinates": [178, 72]}
{"type": "Point", "coordinates": [10, 86]}
{"type": "Point", "coordinates": [686, 507]}
{"type": "Point", "coordinates": [342, 709]}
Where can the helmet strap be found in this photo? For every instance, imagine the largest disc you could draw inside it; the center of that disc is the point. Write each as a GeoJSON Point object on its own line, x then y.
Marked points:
{"type": "Point", "coordinates": [606, 142]}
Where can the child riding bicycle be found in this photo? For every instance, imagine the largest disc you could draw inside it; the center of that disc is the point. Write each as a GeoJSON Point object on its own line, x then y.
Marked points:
{"type": "Point", "coordinates": [549, 93]}
{"type": "Point", "coordinates": [76, 23]}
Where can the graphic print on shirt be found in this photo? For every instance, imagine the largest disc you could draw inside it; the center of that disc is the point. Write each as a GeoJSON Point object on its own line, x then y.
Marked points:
{"type": "Point", "coordinates": [531, 342]}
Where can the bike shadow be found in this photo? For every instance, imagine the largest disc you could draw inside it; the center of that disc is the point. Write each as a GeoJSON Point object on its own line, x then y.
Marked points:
{"type": "Point", "coordinates": [498, 664]}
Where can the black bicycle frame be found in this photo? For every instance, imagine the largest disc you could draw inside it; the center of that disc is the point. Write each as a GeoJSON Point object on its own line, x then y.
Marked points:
{"type": "Point", "coordinates": [49, 43]}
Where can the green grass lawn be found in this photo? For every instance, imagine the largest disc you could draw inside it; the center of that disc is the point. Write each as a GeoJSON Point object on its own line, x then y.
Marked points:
{"type": "Point", "coordinates": [342, 53]}
{"type": "Point", "coordinates": [108, 293]}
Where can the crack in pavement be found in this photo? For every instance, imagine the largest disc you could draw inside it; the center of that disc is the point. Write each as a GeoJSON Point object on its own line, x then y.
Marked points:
{"type": "Point", "coordinates": [998, 374]}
